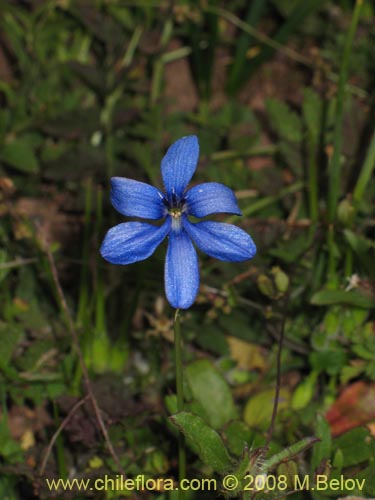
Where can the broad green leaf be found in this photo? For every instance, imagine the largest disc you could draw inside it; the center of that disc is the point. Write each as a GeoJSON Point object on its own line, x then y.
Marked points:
{"type": "Point", "coordinates": [304, 392]}
{"type": "Point", "coordinates": [237, 435]}
{"type": "Point", "coordinates": [356, 445]}
{"type": "Point", "coordinates": [203, 440]}
{"type": "Point", "coordinates": [321, 450]}
{"type": "Point", "coordinates": [285, 121]}
{"type": "Point", "coordinates": [329, 361]}
{"type": "Point", "coordinates": [20, 155]}
{"type": "Point", "coordinates": [258, 409]}
{"type": "Point", "coordinates": [212, 392]}
{"type": "Point", "coordinates": [350, 298]}
{"type": "Point", "coordinates": [369, 485]}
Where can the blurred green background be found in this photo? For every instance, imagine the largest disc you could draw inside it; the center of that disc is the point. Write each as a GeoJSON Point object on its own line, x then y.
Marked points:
{"type": "Point", "coordinates": [280, 94]}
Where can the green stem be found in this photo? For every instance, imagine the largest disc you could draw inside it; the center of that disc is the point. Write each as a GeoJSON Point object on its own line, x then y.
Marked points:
{"type": "Point", "coordinates": [334, 171]}
{"type": "Point", "coordinates": [358, 193]}
{"type": "Point", "coordinates": [335, 163]}
{"type": "Point", "coordinates": [312, 180]}
{"type": "Point", "coordinates": [331, 255]}
{"type": "Point", "coordinates": [366, 173]}
{"type": "Point", "coordinates": [180, 398]}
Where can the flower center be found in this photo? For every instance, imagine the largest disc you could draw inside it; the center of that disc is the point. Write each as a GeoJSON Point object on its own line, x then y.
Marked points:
{"type": "Point", "coordinates": [175, 212]}
{"type": "Point", "coordinates": [175, 206]}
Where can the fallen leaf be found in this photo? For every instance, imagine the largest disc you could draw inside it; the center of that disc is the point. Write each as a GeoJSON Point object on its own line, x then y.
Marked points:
{"type": "Point", "coordinates": [355, 406]}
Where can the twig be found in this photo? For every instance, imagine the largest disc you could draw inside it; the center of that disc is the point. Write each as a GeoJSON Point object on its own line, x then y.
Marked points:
{"type": "Point", "coordinates": [58, 431]}
{"type": "Point", "coordinates": [17, 263]}
{"type": "Point", "coordinates": [73, 332]}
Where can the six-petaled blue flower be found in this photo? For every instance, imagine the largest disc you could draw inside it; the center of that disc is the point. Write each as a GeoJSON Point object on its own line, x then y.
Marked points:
{"type": "Point", "coordinates": [134, 241]}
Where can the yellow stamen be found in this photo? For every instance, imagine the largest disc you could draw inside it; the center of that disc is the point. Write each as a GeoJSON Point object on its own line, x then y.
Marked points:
{"type": "Point", "coordinates": [175, 212]}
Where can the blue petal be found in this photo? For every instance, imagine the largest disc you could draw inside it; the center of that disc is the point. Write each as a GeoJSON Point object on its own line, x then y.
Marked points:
{"type": "Point", "coordinates": [210, 198]}
{"type": "Point", "coordinates": [181, 271]}
{"type": "Point", "coordinates": [133, 241]}
{"type": "Point", "coordinates": [222, 241]}
{"type": "Point", "coordinates": [179, 164]}
{"type": "Point", "coordinates": [136, 199]}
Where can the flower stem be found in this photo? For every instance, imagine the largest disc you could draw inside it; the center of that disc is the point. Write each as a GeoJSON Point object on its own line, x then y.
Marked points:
{"type": "Point", "coordinates": [334, 173]}
{"type": "Point", "coordinates": [335, 166]}
{"type": "Point", "coordinates": [180, 398]}
{"type": "Point", "coordinates": [313, 180]}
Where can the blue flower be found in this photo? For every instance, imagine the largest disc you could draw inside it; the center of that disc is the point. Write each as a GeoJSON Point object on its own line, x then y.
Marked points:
{"type": "Point", "coordinates": [134, 241]}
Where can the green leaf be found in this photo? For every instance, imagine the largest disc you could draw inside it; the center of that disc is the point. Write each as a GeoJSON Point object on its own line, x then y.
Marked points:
{"type": "Point", "coordinates": [369, 486]}
{"type": "Point", "coordinates": [171, 403]}
{"type": "Point", "coordinates": [328, 361]}
{"type": "Point", "coordinates": [10, 449]}
{"type": "Point", "coordinates": [363, 247]}
{"type": "Point", "coordinates": [292, 155]}
{"type": "Point", "coordinates": [363, 352]}
{"type": "Point", "coordinates": [289, 251]}
{"type": "Point", "coordinates": [285, 121]}
{"type": "Point", "coordinates": [203, 440]}
{"type": "Point", "coordinates": [237, 434]}
{"type": "Point", "coordinates": [322, 450]}
{"type": "Point", "coordinates": [212, 392]}
{"type": "Point", "coordinates": [350, 372]}
{"type": "Point", "coordinates": [353, 320]}
{"type": "Point", "coordinates": [312, 112]}
{"type": "Point", "coordinates": [212, 340]}
{"type": "Point", "coordinates": [304, 392]}
{"type": "Point", "coordinates": [122, 15]}
{"type": "Point", "coordinates": [20, 154]}
{"type": "Point", "coordinates": [8, 487]}
{"type": "Point", "coordinates": [239, 72]}
{"type": "Point", "coordinates": [350, 298]}
{"type": "Point", "coordinates": [258, 409]}
{"type": "Point", "coordinates": [356, 445]}
{"type": "Point", "coordinates": [30, 359]}
{"type": "Point", "coordinates": [10, 336]}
